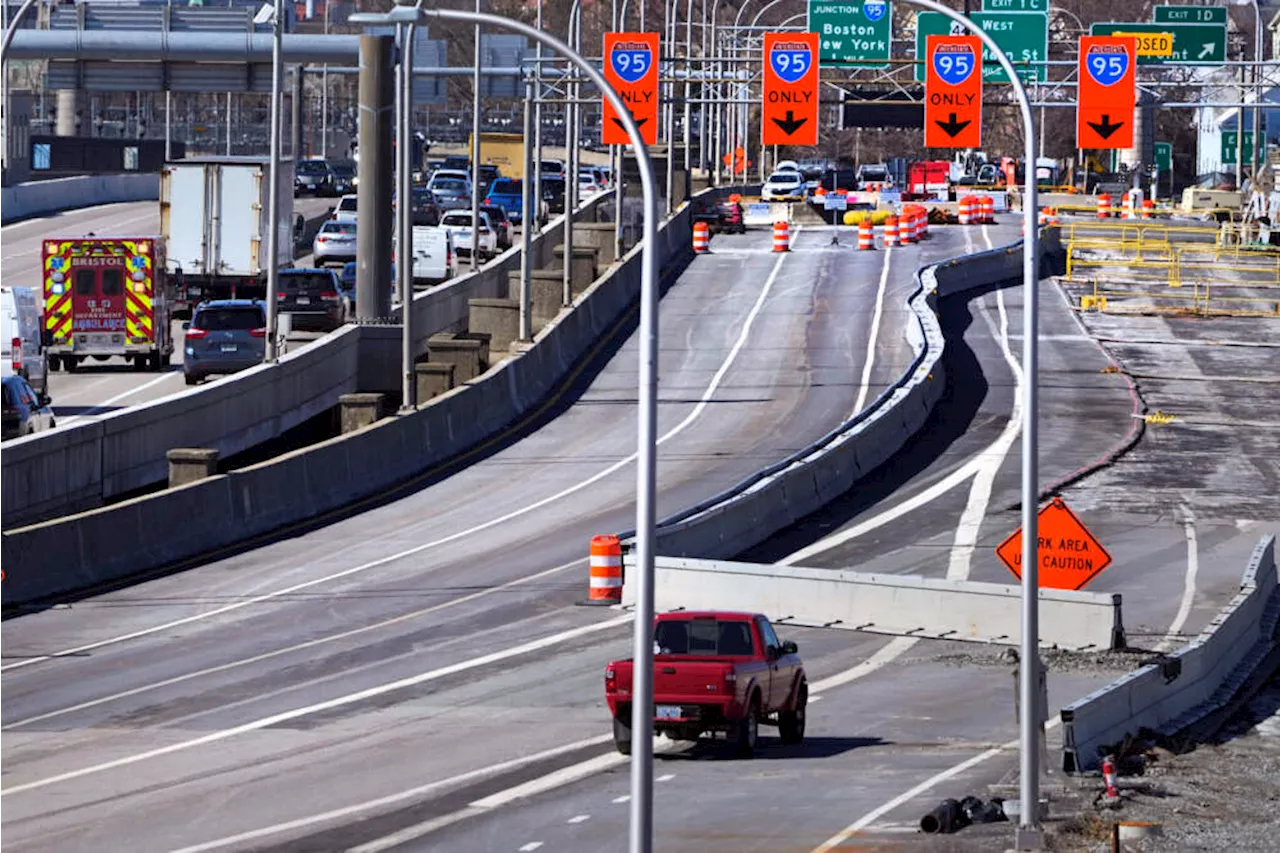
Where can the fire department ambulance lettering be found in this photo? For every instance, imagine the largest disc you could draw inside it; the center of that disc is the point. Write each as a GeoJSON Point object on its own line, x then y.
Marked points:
{"type": "Point", "coordinates": [107, 296]}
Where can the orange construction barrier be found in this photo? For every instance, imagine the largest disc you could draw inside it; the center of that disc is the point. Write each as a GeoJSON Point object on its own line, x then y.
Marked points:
{"type": "Point", "coordinates": [966, 210]}
{"type": "Point", "coordinates": [701, 238]}
{"type": "Point", "coordinates": [907, 226]}
{"type": "Point", "coordinates": [1104, 205]}
{"type": "Point", "coordinates": [781, 237]}
{"type": "Point", "coordinates": [891, 231]}
{"type": "Point", "coordinates": [1148, 208]}
{"type": "Point", "coordinates": [606, 570]}
{"type": "Point", "coordinates": [988, 210]}
{"type": "Point", "coordinates": [866, 236]}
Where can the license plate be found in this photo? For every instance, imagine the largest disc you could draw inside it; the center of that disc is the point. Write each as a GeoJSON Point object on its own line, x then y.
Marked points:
{"type": "Point", "coordinates": [669, 712]}
{"type": "Point", "coordinates": [304, 300]}
{"type": "Point", "coordinates": [228, 347]}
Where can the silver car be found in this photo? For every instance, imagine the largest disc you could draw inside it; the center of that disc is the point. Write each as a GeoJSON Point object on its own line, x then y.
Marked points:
{"type": "Point", "coordinates": [334, 243]}
{"type": "Point", "coordinates": [452, 193]}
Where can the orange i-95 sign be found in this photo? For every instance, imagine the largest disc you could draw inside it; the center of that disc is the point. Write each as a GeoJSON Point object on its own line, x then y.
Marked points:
{"type": "Point", "coordinates": [1106, 92]}
{"type": "Point", "coordinates": [631, 67]}
{"type": "Point", "coordinates": [790, 115]}
{"type": "Point", "coordinates": [953, 92]}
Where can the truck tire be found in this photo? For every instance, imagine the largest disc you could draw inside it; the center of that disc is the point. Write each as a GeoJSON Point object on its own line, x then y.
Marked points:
{"type": "Point", "coordinates": [71, 363]}
{"type": "Point", "coordinates": [791, 722]}
{"type": "Point", "coordinates": [622, 736]}
{"type": "Point", "coordinates": [748, 734]}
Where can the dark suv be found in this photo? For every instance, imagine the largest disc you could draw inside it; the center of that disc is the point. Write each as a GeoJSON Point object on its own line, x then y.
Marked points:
{"type": "Point", "coordinates": [224, 336]}
{"type": "Point", "coordinates": [312, 176]}
{"type": "Point", "coordinates": [312, 298]}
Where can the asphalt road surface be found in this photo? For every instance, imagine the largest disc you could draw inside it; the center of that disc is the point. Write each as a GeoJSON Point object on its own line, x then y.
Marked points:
{"type": "Point", "coordinates": [761, 353]}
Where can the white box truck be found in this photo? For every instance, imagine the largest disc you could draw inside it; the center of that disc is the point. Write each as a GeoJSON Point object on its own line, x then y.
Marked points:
{"type": "Point", "coordinates": [213, 213]}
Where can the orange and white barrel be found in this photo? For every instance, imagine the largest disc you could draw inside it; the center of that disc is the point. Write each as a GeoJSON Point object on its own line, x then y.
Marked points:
{"type": "Point", "coordinates": [988, 216]}
{"type": "Point", "coordinates": [866, 236]}
{"type": "Point", "coordinates": [781, 237]}
{"type": "Point", "coordinates": [606, 570]}
{"type": "Point", "coordinates": [1148, 208]}
{"type": "Point", "coordinates": [966, 210]}
{"type": "Point", "coordinates": [701, 237]}
{"type": "Point", "coordinates": [1104, 205]}
{"type": "Point", "coordinates": [891, 231]}
{"type": "Point", "coordinates": [907, 226]}
{"type": "Point", "coordinates": [918, 224]}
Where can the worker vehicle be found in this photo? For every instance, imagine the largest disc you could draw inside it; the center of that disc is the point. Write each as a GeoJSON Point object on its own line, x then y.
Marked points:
{"type": "Point", "coordinates": [26, 411]}
{"type": "Point", "coordinates": [926, 178]}
{"type": "Point", "coordinates": [335, 242]}
{"type": "Point", "coordinates": [224, 336]}
{"type": "Point", "coordinates": [22, 337]}
{"type": "Point", "coordinates": [873, 176]}
{"type": "Point", "coordinates": [716, 673]}
{"type": "Point", "coordinates": [459, 224]}
{"type": "Point", "coordinates": [107, 296]}
{"type": "Point", "coordinates": [783, 186]}
{"type": "Point", "coordinates": [214, 219]}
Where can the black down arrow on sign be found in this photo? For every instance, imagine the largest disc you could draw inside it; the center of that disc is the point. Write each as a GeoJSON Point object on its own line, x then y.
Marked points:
{"type": "Point", "coordinates": [790, 124]}
{"type": "Point", "coordinates": [951, 127]}
{"type": "Point", "coordinates": [1105, 128]}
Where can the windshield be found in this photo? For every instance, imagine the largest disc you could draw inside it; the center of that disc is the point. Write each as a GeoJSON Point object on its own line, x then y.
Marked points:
{"type": "Point", "coordinates": [306, 282]}
{"type": "Point", "coordinates": [451, 185]}
{"type": "Point", "coordinates": [488, 171]}
{"type": "Point", "coordinates": [461, 220]}
{"type": "Point", "coordinates": [506, 187]}
{"type": "Point", "coordinates": [874, 174]}
{"type": "Point", "coordinates": [348, 203]}
{"type": "Point", "coordinates": [703, 637]}
{"type": "Point", "coordinates": [229, 319]}
{"type": "Point", "coordinates": [311, 167]}
{"type": "Point", "coordinates": [338, 228]}
{"type": "Point", "coordinates": [784, 178]}
{"type": "Point", "coordinates": [343, 171]}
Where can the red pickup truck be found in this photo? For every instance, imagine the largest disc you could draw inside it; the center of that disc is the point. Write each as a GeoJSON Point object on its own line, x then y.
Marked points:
{"type": "Point", "coordinates": [715, 673]}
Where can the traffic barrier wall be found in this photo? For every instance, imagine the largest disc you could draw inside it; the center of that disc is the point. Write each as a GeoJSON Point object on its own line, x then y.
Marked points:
{"type": "Point", "coordinates": [39, 197]}
{"type": "Point", "coordinates": [1166, 697]}
{"type": "Point", "coordinates": [773, 499]}
{"type": "Point", "coordinates": [932, 608]}
{"type": "Point", "coordinates": [124, 451]}
{"type": "Point", "coordinates": [149, 532]}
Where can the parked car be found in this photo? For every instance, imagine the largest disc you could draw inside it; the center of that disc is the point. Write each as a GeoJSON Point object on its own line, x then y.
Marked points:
{"type": "Point", "coordinates": [346, 209]}
{"type": "Point", "coordinates": [26, 410]}
{"type": "Point", "coordinates": [553, 194]}
{"type": "Point", "coordinates": [224, 336]}
{"type": "Point", "coordinates": [314, 177]}
{"type": "Point", "coordinates": [335, 242]}
{"type": "Point", "coordinates": [312, 298]}
{"type": "Point", "coordinates": [715, 672]}
{"type": "Point", "coordinates": [22, 337]}
{"type": "Point", "coordinates": [783, 186]}
{"type": "Point", "coordinates": [451, 192]}
{"type": "Point", "coordinates": [459, 223]}
{"type": "Point", "coordinates": [507, 193]}
{"type": "Point", "coordinates": [501, 225]}
{"type": "Point", "coordinates": [342, 177]}
{"type": "Point", "coordinates": [426, 210]}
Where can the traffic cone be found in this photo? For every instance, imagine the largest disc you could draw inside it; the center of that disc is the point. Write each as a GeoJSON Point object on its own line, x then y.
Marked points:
{"type": "Point", "coordinates": [1104, 205]}
{"type": "Point", "coordinates": [1109, 777]}
{"type": "Point", "coordinates": [891, 231]}
{"type": "Point", "coordinates": [701, 238]}
{"type": "Point", "coordinates": [781, 237]}
{"type": "Point", "coordinates": [966, 210]}
{"type": "Point", "coordinates": [866, 236]}
{"type": "Point", "coordinates": [605, 579]}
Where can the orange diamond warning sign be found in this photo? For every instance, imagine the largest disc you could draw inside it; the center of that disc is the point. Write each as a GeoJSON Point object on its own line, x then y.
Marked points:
{"type": "Point", "coordinates": [1070, 556]}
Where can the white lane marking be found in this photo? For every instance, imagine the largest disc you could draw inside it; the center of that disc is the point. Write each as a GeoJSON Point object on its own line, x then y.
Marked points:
{"type": "Point", "coordinates": [625, 798]}
{"type": "Point", "coordinates": [975, 510]}
{"type": "Point", "coordinates": [578, 818]}
{"type": "Point", "coordinates": [1172, 636]}
{"type": "Point", "coordinates": [168, 682]}
{"type": "Point", "coordinates": [338, 702]}
{"type": "Point", "coordinates": [883, 656]}
{"type": "Point", "coordinates": [665, 777]}
{"type": "Point", "coordinates": [98, 408]}
{"type": "Point", "coordinates": [701, 406]}
{"type": "Point", "coordinates": [556, 779]}
{"type": "Point", "coordinates": [870, 360]}
{"type": "Point", "coordinates": [530, 847]}
{"type": "Point", "coordinates": [451, 783]}
{"type": "Point", "coordinates": [869, 818]}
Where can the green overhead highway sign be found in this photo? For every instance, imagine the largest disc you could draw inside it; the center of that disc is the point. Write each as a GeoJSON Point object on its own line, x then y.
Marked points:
{"type": "Point", "coordinates": [1024, 36]}
{"type": "Point", "coordinates": [1191, 15]}
{"type": "Point", "coordinates": [1193, 44]}
{"type": "Point", "coordinates": [1164, 157]}
{"type": "Point", "coordinates": [852, 32]}
{"type": "Point", "coordinates": [1015, 5]}
{"type": "Point", "coordinates": [1229, 147]}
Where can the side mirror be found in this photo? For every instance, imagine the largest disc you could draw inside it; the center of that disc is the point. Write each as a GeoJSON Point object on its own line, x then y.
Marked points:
{"type": "Point", "coordinates": [43, 399]}
{"type": "Point", "coordinates": [186, 326]}
{"type": "Point", "coordinates": [790, 648]}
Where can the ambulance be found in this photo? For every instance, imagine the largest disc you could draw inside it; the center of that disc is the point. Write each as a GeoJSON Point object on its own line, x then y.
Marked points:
{"type": "Point", "coordinates": [106, 297]}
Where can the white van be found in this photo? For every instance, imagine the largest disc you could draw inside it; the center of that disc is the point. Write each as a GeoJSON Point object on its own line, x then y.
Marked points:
{"type": "Point", "coordinates": [432, 254]}
{"type": "Point", "coordinates": [21, 337]}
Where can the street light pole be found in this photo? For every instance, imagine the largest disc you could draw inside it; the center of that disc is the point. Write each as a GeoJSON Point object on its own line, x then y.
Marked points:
{"type": "Point", "coordinates": [273, 191]}
{"type": "Point", "coordinates": [475, 154]}
{"type": "Point", "coordinates": [404, 211]}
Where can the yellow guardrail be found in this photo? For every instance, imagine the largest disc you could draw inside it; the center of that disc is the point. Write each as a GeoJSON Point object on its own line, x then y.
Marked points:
{"type": "Point", "coordinates": [1199, 299]}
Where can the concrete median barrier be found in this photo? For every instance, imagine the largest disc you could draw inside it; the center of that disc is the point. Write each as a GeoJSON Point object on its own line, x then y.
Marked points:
{"type": "Point", "coordinates": [887, 604]}
{"type": "Point", "coordinates": [36, 198]}
{"type": "Point", "coordinates": [70, 553]}
{"type": "Point", "coordinates": [1169, 695]}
